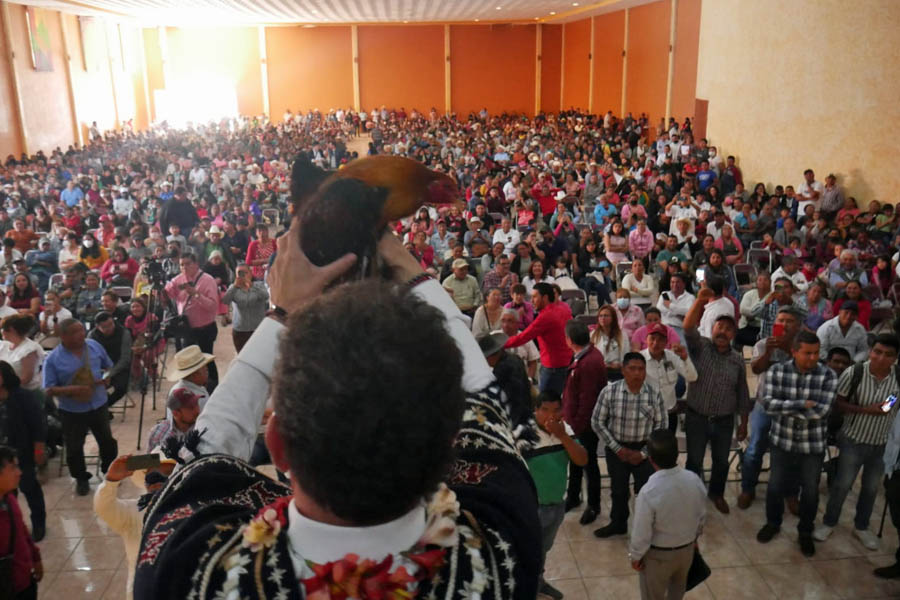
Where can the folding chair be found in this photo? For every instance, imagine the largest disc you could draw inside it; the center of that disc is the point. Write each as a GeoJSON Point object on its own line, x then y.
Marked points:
{"type": "Point", "coordinates": [761, 258]}
{"type": "Point", "coordinates": [745, 275]}
{"type": "Point", "coordinates": [577, 301]}
{"type": "Point", "coordinates": [623, 269]}
{"type": "Point", "coordinates": [586, 319]}
{"type": "Point", "coordinates": [57, 279]}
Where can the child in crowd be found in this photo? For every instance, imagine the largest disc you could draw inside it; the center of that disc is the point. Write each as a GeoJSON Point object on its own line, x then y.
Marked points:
{"type": "Point", "coordinates": [20, 562]}
{"type": "Point", "coordinates": [548, 463]}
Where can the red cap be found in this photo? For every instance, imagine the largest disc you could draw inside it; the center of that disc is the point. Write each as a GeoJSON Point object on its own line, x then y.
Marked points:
{"type": "Point", "coordinates": [659, 329]}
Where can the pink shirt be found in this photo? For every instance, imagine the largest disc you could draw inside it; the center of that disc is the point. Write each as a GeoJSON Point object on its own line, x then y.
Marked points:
{"type": "Point", "coordinates": [639, 339]}
{"type": "Point", "coordinates": [200, 309]}
{"type": "Point", "coordinates": [630, 320]}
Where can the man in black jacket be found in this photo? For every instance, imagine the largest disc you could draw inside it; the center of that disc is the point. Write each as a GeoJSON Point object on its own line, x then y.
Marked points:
{"type": "Point", "coordinates": [178, 211]}
{"type": "Point", "coordinates": [116, 340]}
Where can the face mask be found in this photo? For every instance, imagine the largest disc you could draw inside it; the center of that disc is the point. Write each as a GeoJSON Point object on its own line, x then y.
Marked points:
{"type": "Point", "coordinates": [623, 303]}
{"type": "Point", "coordinates": [88, 243]}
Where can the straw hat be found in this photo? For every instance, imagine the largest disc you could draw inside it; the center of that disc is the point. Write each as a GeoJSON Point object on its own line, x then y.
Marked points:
{"type": "Point", "coordinates": [187, 361]}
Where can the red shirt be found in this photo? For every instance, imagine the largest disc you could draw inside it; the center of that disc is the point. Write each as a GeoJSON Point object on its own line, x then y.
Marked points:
{"type": "Point", "coordinates": [550, 329]}
{"type": "Point", "coordinates": [585, 380]}
{"type": "Point", "coordinates": [26, 554]}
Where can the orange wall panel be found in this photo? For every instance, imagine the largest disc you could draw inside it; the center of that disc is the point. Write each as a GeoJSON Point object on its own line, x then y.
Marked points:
{"type": "Point", "coordinates": [402, 66]}
{"type": "Point", "coordinates": [45, 94]}
{"type": "Point", "coordinates": [226, 53]}
{"type": "Point", "coordinates": [309, 68]}
{"type": "Point", "coordinates": [609, 40]}
{"type": "Point", "coordinates": [492, 66]}
{"type": "Point", "coordinates": [9, 129]}
{"type": "Point", "coordinates": [576, 64]}
{"type": "Point", "coordinates": [687, 47]}
{"type": "Point", "coordinates": [648, 60]}
{"type": "Point", "coordinates": [551, 59]}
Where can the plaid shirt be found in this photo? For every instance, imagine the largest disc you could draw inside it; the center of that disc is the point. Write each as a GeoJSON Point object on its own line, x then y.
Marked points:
{"type": "Point", "coordinates": [766, 313]}
{"type": "Point", "coordinates": [721, 386]}
{"type": "Point", "coordinates": [796, 428]}
{"type": "Point", "coordinates": [622, 417]}
{"type": "Point", "coordinates": [492, 279]}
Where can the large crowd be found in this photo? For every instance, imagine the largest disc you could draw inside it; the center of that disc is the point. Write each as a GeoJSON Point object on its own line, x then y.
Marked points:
{"type": "Point", "coordinates": [614, 272]}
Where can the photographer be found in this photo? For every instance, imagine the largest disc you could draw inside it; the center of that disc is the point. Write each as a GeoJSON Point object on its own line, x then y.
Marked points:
{"type": "Point", "coordinates": [249, 300]}
{"type": "Point", "coordinates": [196, 297]}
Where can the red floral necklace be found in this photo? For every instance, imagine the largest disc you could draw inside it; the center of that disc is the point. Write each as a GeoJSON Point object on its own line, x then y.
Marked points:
{"type": "Point", "coordinates": [352, 578]}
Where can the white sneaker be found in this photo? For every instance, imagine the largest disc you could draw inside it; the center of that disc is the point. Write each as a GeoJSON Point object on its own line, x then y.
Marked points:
{"type": "Point", "coordinates": [822, 532]}
{"type": "Point", "coordinates": [867, 538]}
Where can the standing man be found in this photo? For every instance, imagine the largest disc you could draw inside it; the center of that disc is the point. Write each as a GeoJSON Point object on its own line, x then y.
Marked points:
{"type": "Point", "coordinates": [719, 305]}
{"type": "Point", "coordinates": [716, 398]}
{"type": "Point", "coordinates": [810, 191]}
{"type": "Point", "coordinates": [73, 374]}
{"type": "Point", "coordinates": [669, 514]}
{"type": "Point", "coordinates": [664, 367]}
{"type": "Point", "coordinates": [767, 309]}
{"type": "Point", "coordinates": [674, 304]}
{"type": "Point", "coordinates": [892, 493]}
{"type": "Point", "coordinates": [116, 341]}
{"type": "Point", "coordinates": [585, 381]}
{"type": "Point", "coordinates": [196, 297]}
{"type": "Point", "coordinates": [625, 414]}
{"type": "Point", "coordinates": [550, 330]}
{"type": "Point", "coordinates": [767, 352]}
{"type": "Point", "coordinates": [862, 392]}
{"type": "Point", "coordinates": [798, 395]}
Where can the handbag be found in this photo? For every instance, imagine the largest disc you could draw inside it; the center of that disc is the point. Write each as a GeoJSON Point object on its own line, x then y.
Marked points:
{"type": "Point", "coordinates": [699, 571]}
{"type": "Point", "coordinates": [7, 588]}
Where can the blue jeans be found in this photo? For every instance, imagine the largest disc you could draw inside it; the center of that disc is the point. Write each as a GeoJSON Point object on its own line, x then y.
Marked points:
{"type": "Point", "coordinates": [553, 379]}
{"type": "Point", "coordinates": [757, 446]}
{"type": "Point", "coordinates": [854, 457]}
{"type": "Point", "coordinates": [700, 430]}
{"type": "Point", "coordinates": [591, 285]}
{"type": "Point", "coordinates": [807, 470]}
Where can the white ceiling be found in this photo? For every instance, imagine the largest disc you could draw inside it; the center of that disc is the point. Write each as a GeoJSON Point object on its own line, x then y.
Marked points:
{"type": "Point", "coordinates": [217, 12]}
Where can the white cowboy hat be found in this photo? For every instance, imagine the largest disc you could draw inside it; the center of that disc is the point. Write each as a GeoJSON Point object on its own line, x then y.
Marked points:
{"type": "Point", "coordinates": [187, 361]}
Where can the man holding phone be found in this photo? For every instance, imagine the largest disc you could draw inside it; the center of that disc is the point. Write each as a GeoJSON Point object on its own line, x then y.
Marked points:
{"type": "Point", "coordinates": [863, 392]}
{"type": "Point", "coordinates": [766, 309]}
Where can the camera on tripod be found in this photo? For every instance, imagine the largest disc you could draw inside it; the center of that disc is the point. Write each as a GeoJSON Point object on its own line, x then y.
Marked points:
{"type": "Point", "coordinates": [155, 272]}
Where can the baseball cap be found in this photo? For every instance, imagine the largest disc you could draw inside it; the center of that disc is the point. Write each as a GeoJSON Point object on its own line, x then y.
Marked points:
{"type": "Point", "coordinates": [850, 305]}
{"type": "Point", "coordinates": [459, 263]}
{"type": "Point", "coordinates": [657, 329]}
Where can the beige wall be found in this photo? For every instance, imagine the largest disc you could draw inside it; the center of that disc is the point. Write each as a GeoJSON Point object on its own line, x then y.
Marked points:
{"type": "Point", "coordinates": [805, 84]}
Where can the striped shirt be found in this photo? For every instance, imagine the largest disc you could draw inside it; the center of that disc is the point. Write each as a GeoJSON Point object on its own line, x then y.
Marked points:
{"type": "Point", "coordinates": [622, 417]}
{"type": "Point", "coordinates": [868, 429]}
{"type": "Point", "coordinates": [796, 428]}
{"type": "Point", "coordinates": [721, 386]}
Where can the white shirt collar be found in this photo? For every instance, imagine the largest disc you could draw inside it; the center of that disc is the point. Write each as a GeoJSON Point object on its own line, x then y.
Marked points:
{"type": "Point", "coordinates": [323, 543]}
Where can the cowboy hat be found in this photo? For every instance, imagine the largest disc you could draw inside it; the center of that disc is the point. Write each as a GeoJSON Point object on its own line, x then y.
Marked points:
{"type": "Point", "coordinates": [187, 361]}
{"type": "Point", "coordinates": [492, 343]}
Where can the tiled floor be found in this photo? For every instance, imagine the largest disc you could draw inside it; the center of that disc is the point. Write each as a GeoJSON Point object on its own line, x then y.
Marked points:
{"type": "Point", "coordinates": [84, 559]}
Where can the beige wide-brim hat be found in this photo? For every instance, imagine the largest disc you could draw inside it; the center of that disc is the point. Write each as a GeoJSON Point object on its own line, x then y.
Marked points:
{"type": "Point", "coordinates": [187, 361]}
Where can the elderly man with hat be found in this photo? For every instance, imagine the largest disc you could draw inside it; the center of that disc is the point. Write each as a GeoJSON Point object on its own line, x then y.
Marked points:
{"type": "Point", "coordinates": [215, 242]}
{"type": "Point", "coordinates": [463, 287]}
{"type": "Point", "coordinates": [191, 373]}
{"type": "Point", "coordinates": [509, 371]}
{"type": "Point", "coordinates": [476, 231]}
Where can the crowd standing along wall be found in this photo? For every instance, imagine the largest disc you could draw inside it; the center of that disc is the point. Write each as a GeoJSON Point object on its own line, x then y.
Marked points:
{"type": "Point", "coordinates": [462, 68]}
{"type": "Point", "coordinates": [813, 88]}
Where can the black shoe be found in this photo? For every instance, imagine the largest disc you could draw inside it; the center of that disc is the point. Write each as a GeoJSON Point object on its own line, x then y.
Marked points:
{"type": "Point", "coordinates": [82, 487]}
{"type": "Point", "coordinates": [572, 503]}
{"type": "Point", "coordinates": [889, 572]}
{"type": "Point", "coordinates": [807, 547]}
{"type": "Point", "coordinates": [765, 535]}
{"type": "Point", "coordinates": [611, 530]}
{"type": "Point", "coordinates": [38, 532]}
{"type": "Point", "coordinates": [548, 590]}
{"type": "Point", "coordinates": [588, 516]}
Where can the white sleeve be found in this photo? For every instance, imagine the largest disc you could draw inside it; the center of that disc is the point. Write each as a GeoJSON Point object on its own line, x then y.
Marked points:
{"type": "Point", "coordinates": [121, 516]}
{"type": "Point", "coordinates": [641, 528]}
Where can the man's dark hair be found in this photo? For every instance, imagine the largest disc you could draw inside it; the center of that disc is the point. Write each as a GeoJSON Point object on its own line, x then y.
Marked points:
{"type": "Point", "coordinates": [889, 340]}
{"type": "Point", "coordinates": [716, 284]}
{"type": "Point", "coordinates": [517, 289]}
{"type": "Point", "coordinates": [11, 381]}
{"type": "Point", "coordinates": [7, 455]}
{"type": "Point", "coordinates": [806, 337]}
{"type": "Point", "coordinates": [681, 276]}
{"type": "Point", "coordinates": [189, 255]}
{"type": "Point", "coordinates": [807, 171]}
{"type": "Point", "coordinates": [663, 448]}
{"type": "Point", "coordinates": [546, 289]}
{"type": "Point", "coordinates": [838, 350]}
{"type": "Point", "coordinates": [578, 333]}
{"type": "Point", "coordinates": [102, 317]}
{"type": "Point", "coordinates": [9, 242]}
{"type": "Point", "coordinates": [111, 294]}
{"type": "Point", "coordinates": [630, 356]}
{"type": "Point", "coordinates": [546, 397]}
{"type": "Point", "coordinates": [368, 434]}
{"type": "Point", "coordinates": [652, 311]}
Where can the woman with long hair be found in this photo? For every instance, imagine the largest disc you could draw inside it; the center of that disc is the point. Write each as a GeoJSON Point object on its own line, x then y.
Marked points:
{"type": "Point", "coordinates": [24, 297]}
{"type": "Point", "coordinates": [27, 435]}
{"type": "Point", "coordinates": [616, 243]}
{"type": "Point", "coordinates": [610, 341]}
{"type": "Point", "coordinates": [92, 254]}
{"type": "Point", "coordinates": [487, 316]}
{"type": "Point", "coordinates": [120, 269]}
{"type": "Point", "coordinates": [259, 251]}
{"type": "Point", "coordinates": [883, 276]}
